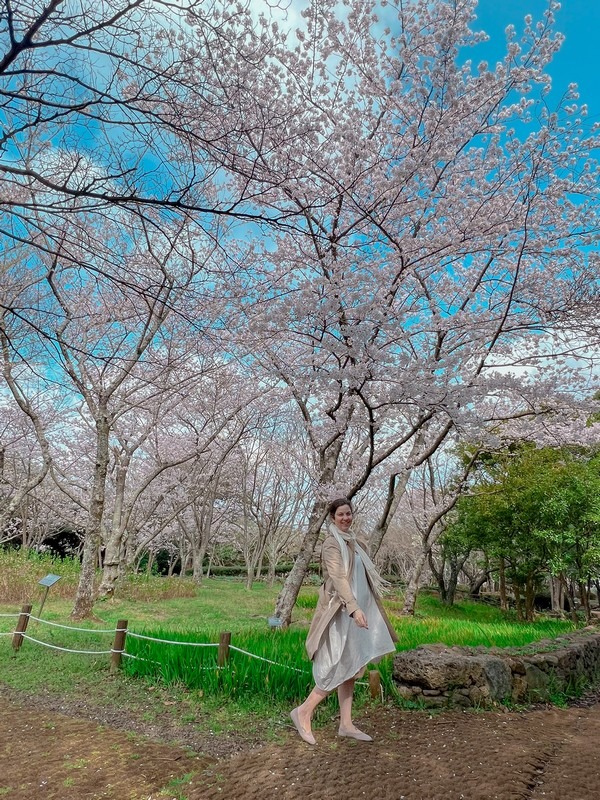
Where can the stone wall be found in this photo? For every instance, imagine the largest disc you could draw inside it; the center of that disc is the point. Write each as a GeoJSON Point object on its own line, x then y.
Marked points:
{"type": "Point", "coordinates": [438, 676]}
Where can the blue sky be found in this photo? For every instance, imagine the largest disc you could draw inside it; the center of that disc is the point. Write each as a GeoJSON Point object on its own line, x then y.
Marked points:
{"type": "Point", "coordinates": [579, 58]}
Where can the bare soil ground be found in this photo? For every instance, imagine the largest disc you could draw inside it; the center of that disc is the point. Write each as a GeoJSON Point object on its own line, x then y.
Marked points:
{"type": "Point", "coordinates": [541, 753]}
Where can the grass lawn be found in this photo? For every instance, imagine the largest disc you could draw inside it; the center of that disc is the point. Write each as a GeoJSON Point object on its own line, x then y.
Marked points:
{"type": "Point", "coordinates": [184, 680]}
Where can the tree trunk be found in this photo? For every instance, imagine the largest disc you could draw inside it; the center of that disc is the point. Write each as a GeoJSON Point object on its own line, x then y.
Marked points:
{"type": "Point", "coordinates": [198, 553]}
{"type": "Point", "coordinates": [585, 601]}
{"type": "Point", "coordinates": [123, 561]}
{"type": "Point", "coordinates": [557, 597]}
{"type": "Point", "coordinates": [530, 598]}
{"type": "Point", "coordinates": [110, 568]}
{"type": "Point", "coordinates": [293, 582]}
{"type": "Point", "coordinates": [452, 583]}
{"type": "Point", "coordinates": [410, 597]}
{"type": "Point", "coordinates": [438, 574]}
{"type": "Point", "coordinates": [113, 553]}
{"type": "Point", "coordinates": [570, 596]}
{"type": "Point", "coordinates": [85, 595]}
{"type": "Point", "coordinates": [518, 602]}
{"type": "Point", "coordinates": [396, 489]}
{"type": "Point", "coordinates": [476, 584]}
{"type": "Point", "coordinates": [502, 585]}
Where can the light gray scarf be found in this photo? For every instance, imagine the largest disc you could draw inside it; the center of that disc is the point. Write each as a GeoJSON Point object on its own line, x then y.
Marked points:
{"type": "Point", "coordinates": [380, 585]}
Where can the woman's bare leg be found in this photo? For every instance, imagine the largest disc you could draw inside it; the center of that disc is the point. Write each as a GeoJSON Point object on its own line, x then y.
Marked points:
{"type": "Point", "coordinates": [302, 714]}
{"type": "Point", "coordinates": [345, 697]}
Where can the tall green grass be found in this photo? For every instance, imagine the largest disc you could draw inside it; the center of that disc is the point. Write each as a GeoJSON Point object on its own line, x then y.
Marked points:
{"type": "Point", "coordinates": [468, 624]}
{"type": "Point", "coordinates": [273, 663]}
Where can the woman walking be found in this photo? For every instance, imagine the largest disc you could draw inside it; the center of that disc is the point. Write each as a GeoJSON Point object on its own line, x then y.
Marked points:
{"type": "Point", "coordinates": [349, 629]}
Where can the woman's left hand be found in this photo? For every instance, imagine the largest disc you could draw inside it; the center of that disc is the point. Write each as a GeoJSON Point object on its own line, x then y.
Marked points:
{"type": "Point", "coordinates": [360, 619]}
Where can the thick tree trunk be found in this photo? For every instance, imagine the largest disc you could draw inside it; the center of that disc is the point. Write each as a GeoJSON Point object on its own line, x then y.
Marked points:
{"type": "Point", "coordinates": [198, 553]}
{"type": "Point", "coordinates": [570, 597]}
{"type": "Point", "coordinates": [557, 596]}
{"type": "Point", "coordinates": [85, 595]}
{"type": "Point", "coordinates": [452, 582]}
{"type": "Point", "coordinates": [530, 598]}
{"type": "Point", "coordinates": [110, 569]}
{"type": "Point", "coordinates": [410, 597]}
{"type": "Point", "coordinates": [293, 582]}
{"type": "Point", "coordinates": [113, 553]}
{"type": "Point", "coordinates": [476, 583]}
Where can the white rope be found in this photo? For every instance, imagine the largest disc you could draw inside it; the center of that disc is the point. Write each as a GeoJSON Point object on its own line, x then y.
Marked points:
{"type": "Point", "coordinates": [10, 615]}
{"type": "Point", "coordinates": [167, 641]}
{"type": "Point", "coordinates": [159, 663]}
{"type": "Point", "coordinates": [268, 660]}
{"type": "Point", "coordinates": [66, 649]}
{"type": "Point", "coordinates": [138, 658]}
{"type": "Point", "coordinates": [71, 628]}
{"type": "Point", "coordinates": [8, 633]}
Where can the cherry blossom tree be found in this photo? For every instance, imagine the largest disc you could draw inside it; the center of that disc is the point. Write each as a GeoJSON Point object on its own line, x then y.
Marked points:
{"type": "Point", "coordinates": [25, 455]}
{"type": "Point", "coordinates": [87, 109]}
{"type": "Point", "coordinates": [273, 495]}
{"type": "Point", "coordinates": [448, 215]}
{"type": "Point", "coordinates": [186, 463]}
{"type": "Point", "coordinates": [433, 252]}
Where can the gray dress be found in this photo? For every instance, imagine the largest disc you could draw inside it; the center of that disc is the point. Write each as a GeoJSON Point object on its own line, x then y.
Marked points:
{"type": "Point", "coordinates": [345, 648]}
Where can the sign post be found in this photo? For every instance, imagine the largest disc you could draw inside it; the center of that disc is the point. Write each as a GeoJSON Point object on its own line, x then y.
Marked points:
{"type": "Point", "coordinates": [47, 581]}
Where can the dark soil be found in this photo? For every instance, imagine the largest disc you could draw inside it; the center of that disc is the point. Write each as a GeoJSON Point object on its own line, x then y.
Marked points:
{"type": "Point", "coordinates": [540, 753]}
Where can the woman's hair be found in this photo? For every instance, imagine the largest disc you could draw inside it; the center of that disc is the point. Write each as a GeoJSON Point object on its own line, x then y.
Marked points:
{"type": "Point", "coordinates": [337, 503]}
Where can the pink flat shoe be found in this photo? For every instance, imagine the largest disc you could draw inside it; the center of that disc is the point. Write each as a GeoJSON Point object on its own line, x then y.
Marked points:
{"type": "Point", "coordinates": [355, 734]}
{"type": "Point", "coordinates": [304, 734]}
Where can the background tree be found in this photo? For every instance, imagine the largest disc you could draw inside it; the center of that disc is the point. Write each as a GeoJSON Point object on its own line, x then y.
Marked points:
{"type": "Point", "coordinates": [536, 511]}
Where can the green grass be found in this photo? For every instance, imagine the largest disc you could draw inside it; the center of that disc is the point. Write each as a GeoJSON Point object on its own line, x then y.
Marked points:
{"type": "Point", "coordinates": [185, 681]}
{"type": "Point", "coordinates": [468, 624]}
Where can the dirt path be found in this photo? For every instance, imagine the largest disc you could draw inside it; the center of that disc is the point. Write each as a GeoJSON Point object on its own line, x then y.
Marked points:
{"type": "Point", "coordinates": [544, 753]}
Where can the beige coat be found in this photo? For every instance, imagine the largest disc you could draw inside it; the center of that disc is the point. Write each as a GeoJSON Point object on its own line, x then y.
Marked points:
{"type": "Point", "coordinates": [336, 593]}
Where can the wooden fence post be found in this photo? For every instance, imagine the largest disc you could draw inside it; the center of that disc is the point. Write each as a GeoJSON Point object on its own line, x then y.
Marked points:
{"type": "Point", "coordinates": [223, 655]}
{"type": "Point", "coordinates": [118, 646]}
{"type": "Point", "coordinates": [375, 684]}
{"type": "Point", "coordinates": [22, 622]}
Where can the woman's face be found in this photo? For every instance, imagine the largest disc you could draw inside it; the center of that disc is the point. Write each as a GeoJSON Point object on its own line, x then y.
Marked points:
{"type": "Point", "coordinates": [343, 518]}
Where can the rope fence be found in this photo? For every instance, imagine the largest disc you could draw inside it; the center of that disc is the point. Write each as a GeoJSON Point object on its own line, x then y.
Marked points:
{"type": "Point", "coordinates": [168, 641]}
{"type": "Point", "coordinates": [117, 651]}
{"type": "Point", "coordinates": [70, 627]}
{"type": "Point", "coordinates": [66, 649]}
